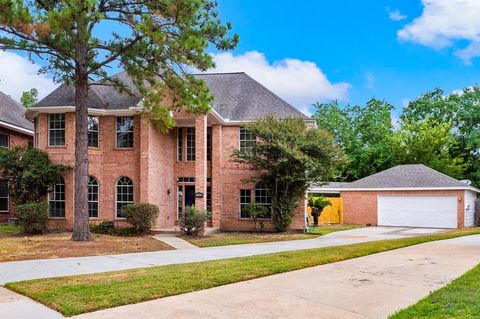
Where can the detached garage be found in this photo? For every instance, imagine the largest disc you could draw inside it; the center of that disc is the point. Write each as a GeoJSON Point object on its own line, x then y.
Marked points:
{"type": "Point", "coordinates": [408, 195]}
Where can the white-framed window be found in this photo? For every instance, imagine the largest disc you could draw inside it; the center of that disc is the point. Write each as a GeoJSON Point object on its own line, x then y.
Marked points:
{"type": "Point", "coordinates": [56, 129]}
{"type": "Point", "coordinates": [124, 190]}
{"type": "Point", "coordinates": [263, 197]}
{"type": "Point", "coordinates": [93, 195]}
{"type": "Point", "coordinates": [4, 140]}
{"type": "Point", "coordinates": [56, 200]}
{"type": "Point", "coordinates": [124, 131]}
{"type": "Point", "coordinates": [4, 207]}
{"type": "Point", "coordinates": [35, 124]}
{"type": "Point", "coordinates": [179, 201]}
{"type": "Point", "coordinates": [180, 144]}
{"type": "Point", "coordinates": [93, 129]}
{"type": "Point", "coordinates": [245, 199]}
{"type": "Point", "coordinates": [190, 136]}
{"type": "Point", "coordinates": [248, 140]}
{"type": "Point", "coordinates": [209, 143]}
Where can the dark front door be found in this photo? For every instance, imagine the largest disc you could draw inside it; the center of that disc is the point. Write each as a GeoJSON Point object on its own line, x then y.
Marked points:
{"type": "Point", "coordinates": [189, 195]}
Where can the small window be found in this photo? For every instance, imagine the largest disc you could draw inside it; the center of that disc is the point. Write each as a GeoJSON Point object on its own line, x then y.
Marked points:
{"type": "Point", "coordinates": [4, 140]}
{"type": "Point", "coordinates": [93, 128]}
{"type": "Point", "coordinates": [245, 199]}
{"type": "Point", "coordinates": [124, 194]}
{"type": "Point", "coordinates": [190, 143]}
{"type": "Point", "coordinates": [179, 201]}
{"type": "Point", "coordinates": [180, 144]}
{"type": "Point", "coordinates": [248, 140]}
{"type": "Point", "coordinates": [3, 197]}
{"type": "Point", "coordinates": [263, 197]}
{"type": "Point", "coordinates": [56, 200]}
{"type": "Point", "coordinates": [209, 143]}
{"type": "Point", "coordinates": [56, 129]}
{"type": "Point", "coordinates": [93, 197]}
{"type": "Point", "coordinates": [35, 125]}
{"type": "Point", "coordinates": [209, 198]}
{"type": "Point", "coordinates": [124, 131]}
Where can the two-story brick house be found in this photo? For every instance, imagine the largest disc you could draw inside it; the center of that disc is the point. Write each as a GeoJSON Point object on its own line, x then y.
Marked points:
{"type": "Point", "coordinates": [15, 130]}
{"type": "Point", "coordinates": [130, 161]}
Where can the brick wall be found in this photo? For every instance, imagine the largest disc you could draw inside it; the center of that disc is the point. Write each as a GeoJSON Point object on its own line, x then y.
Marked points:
{"type": "Point", "coordinates": [361, 207]}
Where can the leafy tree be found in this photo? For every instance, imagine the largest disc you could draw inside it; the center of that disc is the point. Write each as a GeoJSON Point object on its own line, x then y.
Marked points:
{"type": "Point", "coordinates": [289, 157]}
{"type": "Point", "coordinates": [155, 41]}
{"type": "Point", "coordinates": [29, 98]}
{"type": "Point", "coordinates": [428, 142]}
{"type": "Point", "coordinates": [462, 110]}
{"type": "Point", "coordinates": [363, 132]}
{"type": "Point", "coordinates": [255, 212]}
{"type": "Point", "coordinates": [317, 204]}
{"type": "Point", "coordinates": [29, 173]}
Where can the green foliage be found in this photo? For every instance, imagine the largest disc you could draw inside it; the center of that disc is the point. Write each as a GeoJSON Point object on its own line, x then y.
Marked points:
{"type": "Point", "coordinates": [364, 134]}
{"type": "Point", "coordinates": [428, 142]}
{"type": "Point", "coordinates": [142, 216]}
{"type": "Point", "coordinates": [107, 230]}
{"type": "Point", "coordinates": [318, 203]}
{"type": "Point", "coordinates": [33, 217]}
{"type": "Point", "coordinates": [29, 173]}
{"type": "Point", "coordinates": [289, 157]}
{"type": "Point", "coordinates": [255, 212]}
{"type": "Point", "coordinates": [193, 220]}
{"type": "Point", "coordinates": [29, 98]}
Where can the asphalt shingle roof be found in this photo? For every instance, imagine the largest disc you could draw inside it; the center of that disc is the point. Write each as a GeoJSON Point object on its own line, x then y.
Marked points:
{"type": "Point", "coordinates": [13, 113]}
{"type": "Point", "coordinates": [238, 97]}
{"type": "Point", "coordinates": [407, 176]}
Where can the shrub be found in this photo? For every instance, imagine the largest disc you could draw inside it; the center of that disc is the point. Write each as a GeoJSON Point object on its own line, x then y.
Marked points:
{"type": "Point", "coordinates": [33, 217]}
{"type": "Point", "coordinates": [142, 216]}
{"type": "Point", "coordinates": [193, 220]}
{"type": "Point", "coordinates": [255, 212]}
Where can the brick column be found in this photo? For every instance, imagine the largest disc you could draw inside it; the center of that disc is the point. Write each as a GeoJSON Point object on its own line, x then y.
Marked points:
{"type": "Point", "coordinates": [201, 160]}
{"type": "Point", "coordinates": [217, 164]}
{"type": "Point", "coordinates": [144, 154]}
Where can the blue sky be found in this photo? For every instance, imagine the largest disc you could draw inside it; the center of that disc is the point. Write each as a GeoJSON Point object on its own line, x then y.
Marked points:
{"type": "Point", "coordinates": [350, 50]}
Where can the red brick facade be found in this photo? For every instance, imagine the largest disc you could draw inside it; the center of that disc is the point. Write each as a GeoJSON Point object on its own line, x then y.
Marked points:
{"type": "Point", "coordinates": [153, 166]}
{"type": "Point", "coordinates": [360, 207]}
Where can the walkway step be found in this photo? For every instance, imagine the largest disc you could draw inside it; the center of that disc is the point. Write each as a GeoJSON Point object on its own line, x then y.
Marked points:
{"type": "Point", "coordinates": [174, 241]}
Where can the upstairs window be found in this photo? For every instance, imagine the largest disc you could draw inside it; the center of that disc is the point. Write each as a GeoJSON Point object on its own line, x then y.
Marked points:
{"type": "Point", "coordinates": [190, 143]}
{"type": "Point", "coordinates": [124, 131]}
{"type": "Point", "coordinates": [4, 140]}
{"type": "Point", "coordinates": [56, 129]}
{"type": "Point", "coordinates": [56, 200]}
{"type": "Point", "coordinates": [93, 197]}
{"type": "Point", "coordinates": [180, 144]}
{"type": "Point", "coordinates": [93, 128]}
{"type": "Point", "coordinates": [3, 197]}
{"type": "Point", "coordinates": [209, 143]}
{"type": "Point", "coordinates": [248, 140]}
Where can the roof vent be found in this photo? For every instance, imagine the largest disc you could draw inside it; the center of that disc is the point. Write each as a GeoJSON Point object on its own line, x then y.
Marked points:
{"type": "Point", "coordinates": [466, 181]}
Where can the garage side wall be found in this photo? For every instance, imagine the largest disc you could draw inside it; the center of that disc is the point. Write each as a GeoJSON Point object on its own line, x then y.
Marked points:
{"type": "Point", "coordinates": [361, 207]}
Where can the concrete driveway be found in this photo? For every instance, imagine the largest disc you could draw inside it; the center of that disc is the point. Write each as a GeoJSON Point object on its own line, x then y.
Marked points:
{"type": "Point", "coordinates": [373, 286]}
{"type": "Point", "coordinates": [45, 268]}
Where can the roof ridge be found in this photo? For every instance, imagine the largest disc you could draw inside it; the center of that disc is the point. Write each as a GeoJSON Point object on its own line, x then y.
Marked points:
{"type": "Point", "coordinates": [219, 73]}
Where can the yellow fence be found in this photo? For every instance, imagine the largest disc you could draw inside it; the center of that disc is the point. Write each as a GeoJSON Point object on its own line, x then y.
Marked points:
{"type": "Point", "coordinates": [331, 214]}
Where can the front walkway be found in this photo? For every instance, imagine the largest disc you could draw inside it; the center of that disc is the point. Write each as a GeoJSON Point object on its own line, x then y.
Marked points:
{"type": "Point", "coordinates": [15, 306]}
{"type": "Point", "coordinates": [45, 268]}
{"type": "Point", "coordinates": [371, 287]}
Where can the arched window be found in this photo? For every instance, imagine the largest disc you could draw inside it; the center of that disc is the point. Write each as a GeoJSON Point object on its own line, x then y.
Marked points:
{"type": "Point", "coordinates": [56, 200]}
{"type": "Point", "coordinates": [124, 194]}
{"type": "Point", "coordinates": [263, 197]}
{"type": "Point", "coordinates": [93, 197]}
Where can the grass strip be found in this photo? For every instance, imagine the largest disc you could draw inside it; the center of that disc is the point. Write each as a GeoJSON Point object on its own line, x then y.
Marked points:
{"type": "Point", "coordinates": [460, 299]}
{"type": "Point", "coordinates": [79, 294]}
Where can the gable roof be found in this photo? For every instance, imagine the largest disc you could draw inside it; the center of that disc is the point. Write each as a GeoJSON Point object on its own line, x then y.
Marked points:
{"type": "Point", "coordinates": [238, 97]}
{"type": "Point", "coordinates": [13, 114]}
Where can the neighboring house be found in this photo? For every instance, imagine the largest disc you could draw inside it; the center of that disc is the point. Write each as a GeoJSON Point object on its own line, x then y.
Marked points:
{"type": "Point", "coordinates": [130, 161]}
{"type": "Point", "coordinates": [15, 130]}
{"type": "Point", "coordinates": [406, 195]}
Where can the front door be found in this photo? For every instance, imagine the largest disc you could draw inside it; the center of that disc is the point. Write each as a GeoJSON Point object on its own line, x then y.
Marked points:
{"type": "Point", "coordinates": [189, 195]}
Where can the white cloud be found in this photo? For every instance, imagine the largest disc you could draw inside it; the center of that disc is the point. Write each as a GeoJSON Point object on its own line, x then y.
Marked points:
{"type": "Point", "coordinates": [443, 23]}
{"type": "Point", "coordinates": [18, 74]}
{"type": "Point", "coordinates": [395, 15]}
{"type": "Point", "coordinates": [370, 79]}
{"type": "Point", "coordinates": [301, 83]}
{"type": "Point", "coordinates": [405, 102]}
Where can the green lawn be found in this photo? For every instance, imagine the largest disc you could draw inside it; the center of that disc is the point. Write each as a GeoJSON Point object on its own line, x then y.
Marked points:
{"type": "Point", "coordinates": [237, 238]}
{"type": "Point", "coordinates": [9, 230]}
{"type": "Point", "coordinates": [79, 294]}
{"type": "Point", "coordinates": [460, 299]}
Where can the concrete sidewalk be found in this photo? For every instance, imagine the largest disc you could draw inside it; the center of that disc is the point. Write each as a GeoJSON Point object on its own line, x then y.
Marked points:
{"type": "Point", "coordinates": [372, 287]}
{"type": "Point", "coordinates": [15, 306]}
{"type": "Point", "coordinates": [45, 268]}
{"type": "Point", "coordinates": [174, 241]}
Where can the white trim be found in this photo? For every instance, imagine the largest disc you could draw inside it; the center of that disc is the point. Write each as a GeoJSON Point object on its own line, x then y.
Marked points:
{"type": "Point", "coordinates": [320, 190]}
{"type": "Point", "coordinates": [16, 128]}
{"type": "Point", "coordinates": [33, 111]}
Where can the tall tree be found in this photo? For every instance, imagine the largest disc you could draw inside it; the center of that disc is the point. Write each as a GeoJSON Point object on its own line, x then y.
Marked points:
{"type": "Point", "coordinates": [153, 40]}
{"type": "Point", "coordinates": [289, 157]}
{"type": "Point", "coordinates": [29, 98]}
{"type": "Point", "coordinates": [363, 132]}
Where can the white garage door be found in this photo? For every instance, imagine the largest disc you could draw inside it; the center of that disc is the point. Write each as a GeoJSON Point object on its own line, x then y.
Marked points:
{"type": "Point", "coordinates": [418, 211]}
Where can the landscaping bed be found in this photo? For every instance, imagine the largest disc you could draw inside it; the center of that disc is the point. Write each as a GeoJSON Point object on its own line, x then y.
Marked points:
{"type": "Point", "coordinates": [79, 294]}
{"type": "Point", "coordinates": [237, 238]}
{"type": "Point", "coordinates": [16, 246]}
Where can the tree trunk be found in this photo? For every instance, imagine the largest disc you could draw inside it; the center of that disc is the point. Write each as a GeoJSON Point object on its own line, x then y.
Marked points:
{"type": "Point", "coordinates": [81, 230]}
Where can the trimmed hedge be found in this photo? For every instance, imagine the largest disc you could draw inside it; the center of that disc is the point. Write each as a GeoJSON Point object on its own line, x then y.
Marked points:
{"type": "Point", "coordinates": [33, 217]}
